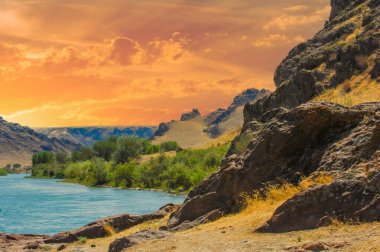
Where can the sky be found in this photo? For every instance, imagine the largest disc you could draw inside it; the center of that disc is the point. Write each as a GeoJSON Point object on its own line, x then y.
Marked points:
{"type": "Point", "coordinates": [124, 62]}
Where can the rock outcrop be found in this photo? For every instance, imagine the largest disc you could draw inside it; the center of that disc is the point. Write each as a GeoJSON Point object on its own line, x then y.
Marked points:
{"type": "Point", "coordinates": [190, 115]}
{"type": "Point", "coordinates": [346, 47]}
{"type": "Point", "coordinates": [100, 228]}
{"type": "Point", "coordinates": [344, 142]}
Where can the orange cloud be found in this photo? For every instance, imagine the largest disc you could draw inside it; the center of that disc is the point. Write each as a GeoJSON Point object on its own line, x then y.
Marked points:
{"type": "Point", "coordinates": [108, 62]}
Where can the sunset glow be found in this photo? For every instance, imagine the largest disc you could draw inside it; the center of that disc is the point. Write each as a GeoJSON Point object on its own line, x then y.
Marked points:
{"type": "Point", "coordinates": [113, 62]}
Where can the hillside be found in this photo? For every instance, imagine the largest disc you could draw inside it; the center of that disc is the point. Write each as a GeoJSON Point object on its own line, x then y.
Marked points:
{"type": "Point", "coordinates": [89, 135]}
{"type": "Point", "coordinates": [295, 142]}
{"type": "Point", "coordinates": [18, 143]}
{"type": "Point", "coordinates": [196, 131]}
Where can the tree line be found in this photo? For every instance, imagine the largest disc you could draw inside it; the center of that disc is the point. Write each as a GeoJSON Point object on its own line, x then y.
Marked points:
{"type": "Point", "coordinates": [115, 162]}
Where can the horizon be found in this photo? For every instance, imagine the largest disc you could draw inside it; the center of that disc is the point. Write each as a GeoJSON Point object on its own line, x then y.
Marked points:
{"type": "Point", "coordinates": [81, 63]}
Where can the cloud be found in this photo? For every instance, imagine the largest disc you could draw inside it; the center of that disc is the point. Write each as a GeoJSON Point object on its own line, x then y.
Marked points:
{"type": "Point", "coordinates": [126, 51]}
{"type": "Point", "coordinates": [296, 8]}
{"type": "Point", "coordinates": [275, 39]}
{"type": "Point", "coordinates": [91, 59]}
{"type": "Point", "coordinates": [285, 21]}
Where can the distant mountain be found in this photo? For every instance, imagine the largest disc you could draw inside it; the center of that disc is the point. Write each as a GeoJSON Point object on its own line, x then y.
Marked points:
{"type": "Point", "coordinates": [193, 130]}
{"type": "Point", "coordinates": [18, 143]}
{"type": "Point", "coordinates": [89, 135]}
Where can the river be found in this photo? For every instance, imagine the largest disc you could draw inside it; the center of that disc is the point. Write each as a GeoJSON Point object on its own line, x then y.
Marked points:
{"type": "Point", "coordinates": [45, 206]}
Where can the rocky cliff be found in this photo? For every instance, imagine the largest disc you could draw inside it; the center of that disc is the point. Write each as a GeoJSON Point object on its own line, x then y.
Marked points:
{"type": "Point", "coordinates": [295, 141]}
{"type": "Point", "coordinates": [18, 143]}
{"type": "Point", "coordinates": [348, 46]}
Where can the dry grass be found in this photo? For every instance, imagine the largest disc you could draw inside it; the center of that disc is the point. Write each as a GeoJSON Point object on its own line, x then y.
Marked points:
{"type": "Point", "coordinates": [236, 232]}
{"type": "Point", "coordinates": [275, 195]}
{"type": "Point", "coordinates": [357, 90]}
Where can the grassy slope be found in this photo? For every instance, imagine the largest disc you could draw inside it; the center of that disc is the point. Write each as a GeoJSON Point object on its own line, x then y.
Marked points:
{"type": "Point", "coordinates": [190, 134]}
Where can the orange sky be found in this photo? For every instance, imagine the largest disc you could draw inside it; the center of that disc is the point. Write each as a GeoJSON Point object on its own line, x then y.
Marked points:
{"type": "Point", "coordinates": [123, 62]}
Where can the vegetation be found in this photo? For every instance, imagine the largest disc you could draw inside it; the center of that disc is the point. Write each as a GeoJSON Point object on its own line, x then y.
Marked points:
{"type": "Point", "coordinates": [277, 194]}
{"type": "Point", "coordinates": [3, 172]}
{"type": "Point", "coordinates": [115, 162]}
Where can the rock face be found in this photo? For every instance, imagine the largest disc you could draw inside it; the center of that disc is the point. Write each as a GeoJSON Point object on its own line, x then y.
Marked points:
{"type": "Point", "coordinates": [89, 135]}
{"type": "Point", "coordinates": [346, 47]}
{"type": "Point", "coordinates": [190, 115]}
{"type": "Point", "coordinates": [163, 128]}
{"type": "Point", "coordinates": [216, 119]}
{"type": "Point", "coordinates": [310, 138]}
{"type": "Point", "coordinates": [19, 143]}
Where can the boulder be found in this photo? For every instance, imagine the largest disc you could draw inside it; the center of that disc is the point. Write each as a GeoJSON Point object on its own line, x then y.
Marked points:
{"type": "Point", "coordinates": [139, 237]}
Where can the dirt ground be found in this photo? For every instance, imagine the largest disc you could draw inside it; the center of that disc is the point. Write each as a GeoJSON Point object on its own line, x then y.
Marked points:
{"type": "Point", "coordinates": [236, 233]}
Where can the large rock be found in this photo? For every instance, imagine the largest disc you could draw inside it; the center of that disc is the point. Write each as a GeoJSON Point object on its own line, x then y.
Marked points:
{"type": "Point", "coordinates": [100, 228]}
{"type": "Point", "coordinates": [310, 138]}
{"type": "Point", "coordinates": [136, 238]}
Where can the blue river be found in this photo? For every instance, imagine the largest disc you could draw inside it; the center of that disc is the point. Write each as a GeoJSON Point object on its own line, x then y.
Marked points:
{"type": "Point", "coordinates": [45, 206]}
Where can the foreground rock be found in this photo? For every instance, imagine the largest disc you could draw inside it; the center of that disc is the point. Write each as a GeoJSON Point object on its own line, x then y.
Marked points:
{"type": "Point", "coordinates": [312, 138]}
{"type": "Point", "coordinates": [139, 237]}
{"type": "Point", "coordinates": [13, 242]}
{"type": "Point", "coordinates": [103, 227]}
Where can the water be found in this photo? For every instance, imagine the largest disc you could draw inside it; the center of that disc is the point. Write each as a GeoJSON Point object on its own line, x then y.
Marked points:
{"type": "Point", "coordinates": [44, 206]}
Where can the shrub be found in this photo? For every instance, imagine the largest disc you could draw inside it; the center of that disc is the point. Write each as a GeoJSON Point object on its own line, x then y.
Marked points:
{"type": "Point", "coordinates": [3, 172]}
{"type": "Point", "coordinates": [169, 146]}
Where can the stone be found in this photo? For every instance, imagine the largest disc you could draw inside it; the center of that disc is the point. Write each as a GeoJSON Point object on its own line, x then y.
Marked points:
{"type": "Point", "coordinates": [139, 237]}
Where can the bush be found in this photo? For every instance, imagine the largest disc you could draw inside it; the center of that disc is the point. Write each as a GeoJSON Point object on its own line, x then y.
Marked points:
{"type": "Point", "coordinates": [16, 166]}
{"type": "Point", "coordinates": [169, 146]}
{"type": "Point", "coordinates": [3, 172]}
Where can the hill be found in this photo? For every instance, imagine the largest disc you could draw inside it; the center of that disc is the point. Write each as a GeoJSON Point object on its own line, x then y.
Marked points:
{"type": "Point", "coordinates": [18, 143]}
{"type": "Point", "coordinates": [196, 131]}
{"type": "Point", "coordinates": [89, 135]}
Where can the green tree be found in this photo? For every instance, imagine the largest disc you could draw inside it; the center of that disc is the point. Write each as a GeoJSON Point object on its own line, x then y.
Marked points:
{"type": "Point", "coordinates": [61, 158]}
{"type": "Point", "coordinates": [83, 154]}
{"type": "Point", "coordinates": [98, 172]}
{"type": "Point", "coordinates": [43, 158]}
{"type": "Point", "coordinates": [128, 148]}
{"type": "Point", "coordinates": [105, 149]}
